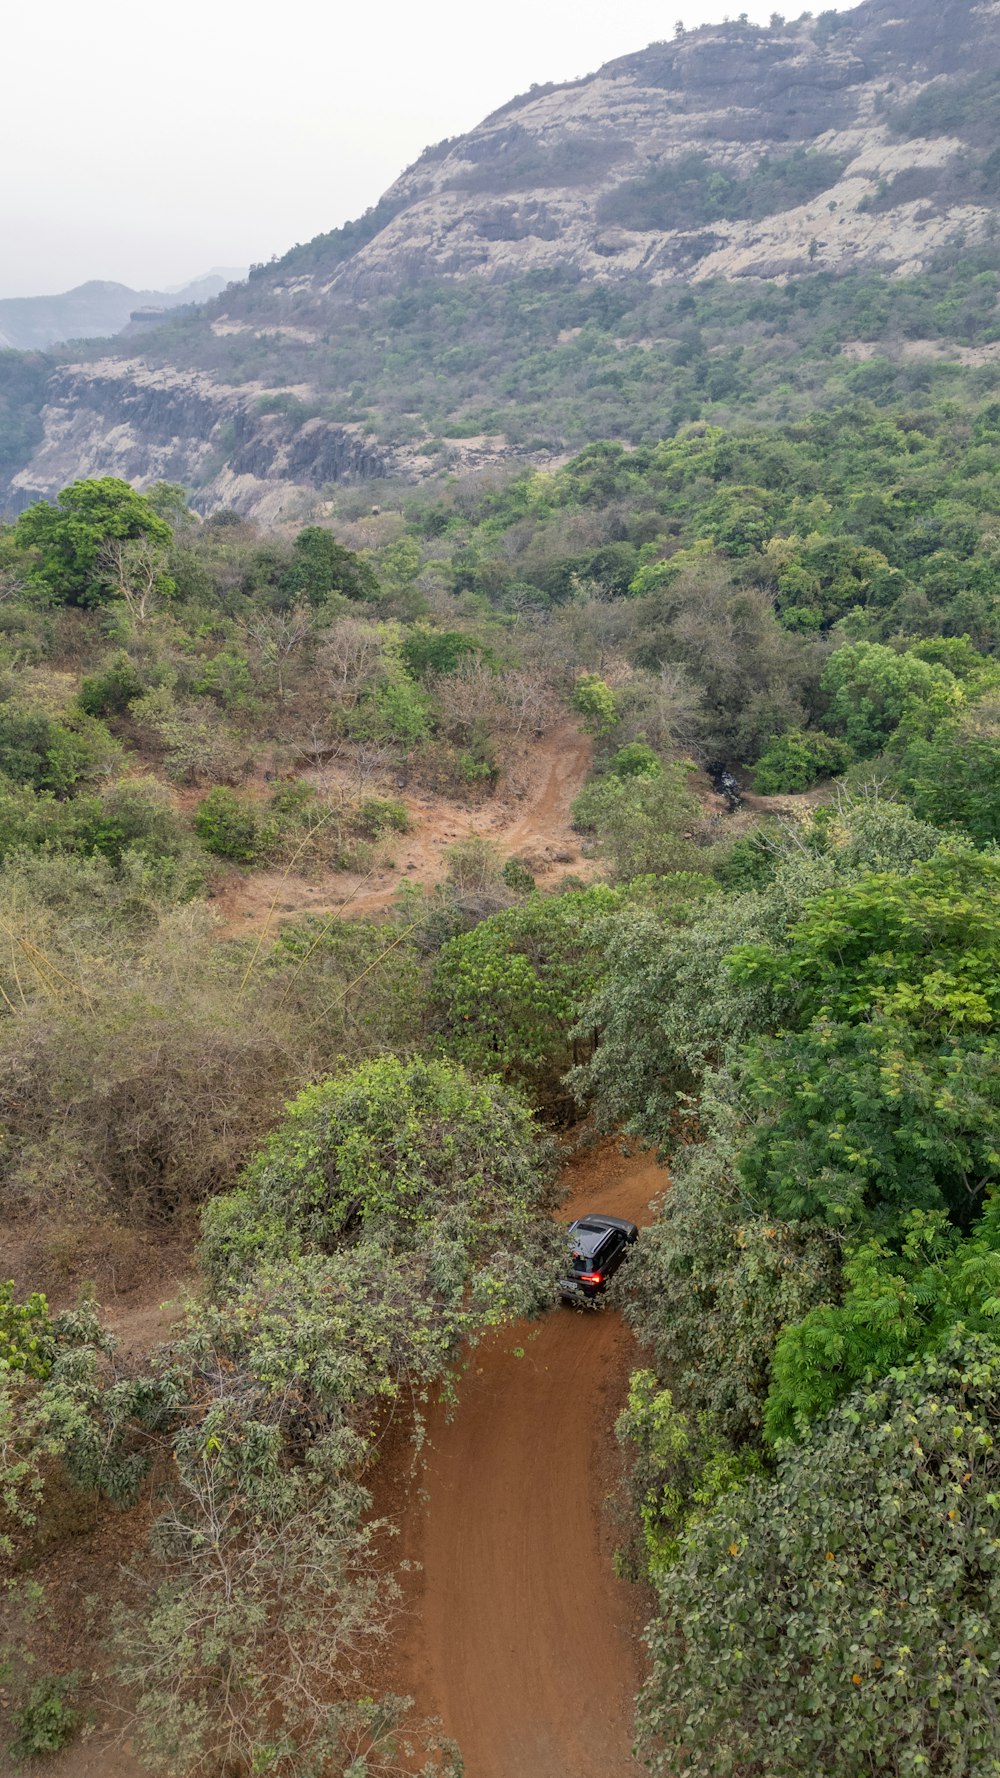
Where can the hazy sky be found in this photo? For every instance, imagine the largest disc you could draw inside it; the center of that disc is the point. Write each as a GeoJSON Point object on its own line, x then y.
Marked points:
{"type": "Point", "coordinates": [147, 141]}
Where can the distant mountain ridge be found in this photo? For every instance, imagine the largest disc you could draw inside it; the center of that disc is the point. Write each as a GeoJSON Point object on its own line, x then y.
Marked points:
{"type": "Point", "coordinates": [599, 236]}
{"type": "Point", "coordinates": [96, 310]}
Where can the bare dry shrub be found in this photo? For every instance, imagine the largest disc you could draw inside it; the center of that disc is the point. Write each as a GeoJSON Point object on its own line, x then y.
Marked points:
{"type": "Point", "coordinates": [585, 635]}
{"type": "Point", "coordinates": [139, 1067]}
{"type": "Point", "coordinates": [508, 704]}
{"type": "Point", "coordinates": [351, 659]}
{"type": "Point", "coordinates": [142, 1099]}
{"type": "Point", "coordinates": [197, 746]}
{"type": "Point", "coordinates": [663, 709]}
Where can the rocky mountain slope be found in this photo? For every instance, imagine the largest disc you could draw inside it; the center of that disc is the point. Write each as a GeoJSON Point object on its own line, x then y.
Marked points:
{"type": "Point", "coordinates": [855, 146]}
{"type": "Point", "coordinates": [94, 310]}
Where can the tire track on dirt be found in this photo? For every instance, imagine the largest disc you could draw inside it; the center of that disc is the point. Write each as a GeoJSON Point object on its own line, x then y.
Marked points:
{"type": "Point", "coordinates": [538, 825]}
{"type": "Point", "coordinates": [520, 1636]}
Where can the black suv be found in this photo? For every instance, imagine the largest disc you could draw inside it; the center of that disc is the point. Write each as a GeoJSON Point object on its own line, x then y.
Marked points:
{"type": "Point", "coordinates": [600, 1243]}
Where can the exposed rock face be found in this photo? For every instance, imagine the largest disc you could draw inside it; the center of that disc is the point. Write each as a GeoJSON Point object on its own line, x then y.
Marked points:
{"type": "Point", "coordinates": [731, 152]}
{"type": "Point", "coordinates": [120, 417]}
{"type": "Point", "coordinates": [529, 186]}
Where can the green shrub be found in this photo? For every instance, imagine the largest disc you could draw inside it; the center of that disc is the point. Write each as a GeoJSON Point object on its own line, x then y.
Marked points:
{"type": "Point", "coordinates": [636, 760]}
{"type": "Point", "coordinates": [227, 678]}
{"type": "Point", "coordinates": [26, 1344]}
{"type": "Point", "coordinates": [795, 760]}
{"type": "Point", "coordinates": [393, 711]}
{"type": "Point", "coordinates": [378, 815]}
{"type": "Point", "coordinates": [427, 651]}
{"type": "Point", "coordinates": [229, 826]}
{"type": "Point", "coordinates": [953, 779]}
{"type": "Point", "coordinates": [642, 824]}
{"type": "Point", "coordinates": [596, 702]}
{"type": "Point", "coordinates": [46, 1720]}
{"type": "Point", "coordinates": [198, 748]}
{"type": "Point", "coordinates": [517, 877]}
{"type": "Point", "coordinates": [875, 693]}
{"type": "Point", "coordinates": [38, 751]}
{"type": "Point", "coordinates": [111, 691]}
{"type": "Point", "coordinates": [133, 815]}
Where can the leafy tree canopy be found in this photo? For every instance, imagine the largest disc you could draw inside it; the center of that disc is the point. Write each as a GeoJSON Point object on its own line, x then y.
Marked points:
{"type": "Point", "coordinates": [67, 539]}
{"type": "Point", "coordinates": [882, 1093]}
{"type": "Point", "coordinates": [846, 1616]}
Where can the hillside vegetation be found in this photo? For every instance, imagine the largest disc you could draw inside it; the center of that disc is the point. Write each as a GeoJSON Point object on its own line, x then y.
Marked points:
{"type": "Point", "coordinates": [795, 1001]}
{"type": "Point", "coordinates": [629, 767]}
{"type": "Point", "coordinates": [741, 222]}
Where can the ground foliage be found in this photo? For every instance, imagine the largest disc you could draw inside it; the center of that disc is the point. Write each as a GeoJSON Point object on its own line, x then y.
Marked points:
{"type": "Point", "coordinates": [802, 1018]}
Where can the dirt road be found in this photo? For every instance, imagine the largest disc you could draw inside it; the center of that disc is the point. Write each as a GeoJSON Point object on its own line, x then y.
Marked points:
{"type": "Point", "coordinates": [534, 827]}
{"type": "Point", "coordinates": [519, 1635]}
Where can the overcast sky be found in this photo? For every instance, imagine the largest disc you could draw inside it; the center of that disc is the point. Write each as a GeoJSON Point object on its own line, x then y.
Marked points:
{"type": "Point", "coordinates": [147, 141]}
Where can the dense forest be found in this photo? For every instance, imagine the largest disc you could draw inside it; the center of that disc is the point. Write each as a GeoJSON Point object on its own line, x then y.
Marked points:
{"type": "Point", "coordinates": [350, 1126]}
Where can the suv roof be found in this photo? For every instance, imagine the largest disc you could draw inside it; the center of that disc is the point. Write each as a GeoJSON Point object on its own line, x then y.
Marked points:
{"type": "Point", "coordinates": [588, 1237]}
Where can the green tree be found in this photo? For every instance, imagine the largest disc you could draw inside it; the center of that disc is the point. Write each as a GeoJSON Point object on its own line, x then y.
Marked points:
{"type": "Point", "coordinates": [322, 566]}
{"type": "Point", "coordinates": [506, 995]}
{"type": "Point", "coordinates": [795, 760]}
{"type": "Point", "coordinates": [953, 776]}
{"type": "Point", "coordinates": [845, 1617]}
{"type": "Point", "coordinates": [883, 1093]}
{"type": "Point", "coordinates": [875, 693]}
{"type": "Point", "coordinates": [68, 540]}
{"type": "Point", "coordinates": [899, 1301]}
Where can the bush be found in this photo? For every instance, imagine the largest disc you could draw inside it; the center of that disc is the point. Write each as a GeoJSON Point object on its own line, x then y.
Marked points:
{"type": "Point", "coordinates": [410, 1154]}
{"type": "Point", "coordinates": [378, 815]}
{"type": "Point", "coordinates": [198, 748]}
{"type": "Point", "coordinates": [642, 824]}
{"type": "Point", "coordinates": [428, 651]}
{"type": "Point", "coordinates": [846, 1616]}
{"type": "Point", "coordinates": [636, 760]}
{"type": "Point", "coordinates": [111, 691]}
{"type": "Point", "coordinates": [229, 826]}
{"type": "Point", "coordinates": [25, 1334]}
{"type": "Point", "coordinates": [135, 817]}
{"type": "Point", "coordinates": [795, 760]}
{"type": "Point", "coordinates": [517, 877]}
{"type": "Point", "coordinates": [38, 751]}
{"type": "Point", "coordinates": [394, 711]}
{"type": "Point", "coordinates": [45, 1721]}
{"type": "Point", "coordinates": [596, 702]}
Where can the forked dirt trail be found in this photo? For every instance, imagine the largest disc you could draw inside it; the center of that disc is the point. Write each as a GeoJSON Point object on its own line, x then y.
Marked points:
{"type": "Point", "coordinates": [535, 827]}
{"type": "Point", "coordinates": [520, 1637]}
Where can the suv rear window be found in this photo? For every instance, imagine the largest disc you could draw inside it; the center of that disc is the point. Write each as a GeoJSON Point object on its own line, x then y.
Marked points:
{"type": "Point", "coordinates": [590, 1248]}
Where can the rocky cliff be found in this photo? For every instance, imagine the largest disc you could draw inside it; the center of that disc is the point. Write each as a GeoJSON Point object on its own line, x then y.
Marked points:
{"type": "Point", "coordinates": [845, 144]}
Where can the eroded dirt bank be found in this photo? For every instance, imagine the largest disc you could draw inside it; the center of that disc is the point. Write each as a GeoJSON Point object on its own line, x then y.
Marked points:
{"type": "Point", "coordinates": [518, 1635]}
{"type": "Point", "coordinates": [534, 826]}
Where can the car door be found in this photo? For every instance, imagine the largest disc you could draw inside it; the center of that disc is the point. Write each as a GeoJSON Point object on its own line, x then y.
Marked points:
{"type": "Point", "coordinates": [613, 1252]}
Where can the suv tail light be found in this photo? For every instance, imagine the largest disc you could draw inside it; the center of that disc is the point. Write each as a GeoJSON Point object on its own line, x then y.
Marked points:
{"type": "Point", "coordinates": [591, 1277]}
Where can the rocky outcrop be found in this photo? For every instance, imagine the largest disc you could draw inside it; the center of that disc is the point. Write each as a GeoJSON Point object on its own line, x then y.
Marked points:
{"type": "Point", "coordinates": [121, 417]}
{"type": "Point", "coordinates": [551, 162]}
{"type": "Point", "coordinates": [733, 151]}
